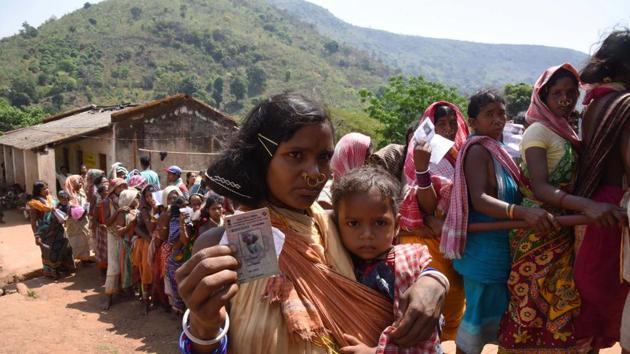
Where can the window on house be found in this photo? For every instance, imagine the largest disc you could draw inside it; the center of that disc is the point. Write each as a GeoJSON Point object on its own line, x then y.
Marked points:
{"type": "Point", "coordinates": [102, 162]}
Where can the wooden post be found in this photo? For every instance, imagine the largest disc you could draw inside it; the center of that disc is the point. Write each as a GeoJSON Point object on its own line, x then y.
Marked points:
{"type": "Point", "coordinates": [135, 148]}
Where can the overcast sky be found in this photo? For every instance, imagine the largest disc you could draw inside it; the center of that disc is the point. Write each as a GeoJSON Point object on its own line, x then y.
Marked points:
{"type": "Point", "coordinates": [576, 24]}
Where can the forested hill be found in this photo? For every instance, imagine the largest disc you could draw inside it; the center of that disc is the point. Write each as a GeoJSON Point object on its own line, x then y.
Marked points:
{"type": "Point", "coordinates": [464, 65]}
{"type": "Point", "coordinates": [227, 52]}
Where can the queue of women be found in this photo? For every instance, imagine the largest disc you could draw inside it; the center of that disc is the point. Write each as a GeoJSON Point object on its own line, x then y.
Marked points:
{"type": "Point", "coordinates": [384, 251]}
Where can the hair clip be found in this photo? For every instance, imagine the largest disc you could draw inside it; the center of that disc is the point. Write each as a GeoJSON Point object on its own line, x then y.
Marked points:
{"type": "Point", "coordinates": [265, 145]}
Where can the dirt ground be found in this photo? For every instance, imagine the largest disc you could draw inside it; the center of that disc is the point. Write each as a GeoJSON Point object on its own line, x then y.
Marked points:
{"type": "Point", "coordinates": [66, 316]}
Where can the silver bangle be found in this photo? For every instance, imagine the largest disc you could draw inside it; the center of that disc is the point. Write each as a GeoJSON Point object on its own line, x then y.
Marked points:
{"type": "Point", "coordinates": [423, 172]}
{"type": "Point", "coordinates": [437, 273]}
{"type": "Point", "coordinates": [427, 187]}
{"type": "Point", "coordinates": [196, 340]}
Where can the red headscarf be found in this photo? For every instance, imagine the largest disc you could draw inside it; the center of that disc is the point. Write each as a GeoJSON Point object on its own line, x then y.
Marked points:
{"type": "Point", "coordinates": [462, 127]}
{"type": "Point", "coordinates": [350, 153]}
{"type": "Point", "coordinates": [539, 112]}
{"type": "Point", "coordinates": [460, 138]}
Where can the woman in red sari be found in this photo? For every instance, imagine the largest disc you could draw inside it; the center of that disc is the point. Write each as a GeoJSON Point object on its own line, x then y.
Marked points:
{"type": "Point", "coordinates": [604, 164]}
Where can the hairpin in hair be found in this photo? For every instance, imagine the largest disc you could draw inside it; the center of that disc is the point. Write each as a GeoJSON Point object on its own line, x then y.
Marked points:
{"type": "Point", "coordinates": [265, 145]}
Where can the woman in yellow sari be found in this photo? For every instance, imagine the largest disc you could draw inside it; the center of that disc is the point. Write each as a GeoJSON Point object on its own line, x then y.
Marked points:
{"type": "Point", "coordinates": [280, 160]}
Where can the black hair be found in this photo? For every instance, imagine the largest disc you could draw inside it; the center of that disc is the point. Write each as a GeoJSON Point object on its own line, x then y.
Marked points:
{"type": "Point", "coordinates": [98, 180]}
{"type": "Point", "coordinates": [240, 172]}
{"type": "Point", "coordinates": [195, 195]}
{"type": "Point", "coordinates": [145, 161]}
{"type": "Point", "coordinates": [364, 179]}
{"type": "Point", "coordinates": [149, 188]}
{"type": "Point", "coordinates": [38, 188]}
{"type": "Point", "coordinates": [559, 74]}
{"type": "Point", "coordinates": [101, 189]}
{"type": "Point", "coordinates": [480, 100]}
{"type": "Point", "coordinates": [442, 110]}
{"type": "Point", "coordinates": [63, 194]}
{"type": "Point", "coordinates": [612, 59]}
{"type": "Point", "coordinates": [214, 198]}
{"type": "Point", "coordinates": [180, 202]}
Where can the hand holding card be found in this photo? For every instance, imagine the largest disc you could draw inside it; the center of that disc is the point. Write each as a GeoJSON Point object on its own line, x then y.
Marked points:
{"type": "Point", "coordinates": [439, 144]}
{"type": "Point", "coordinates": [251, 236]}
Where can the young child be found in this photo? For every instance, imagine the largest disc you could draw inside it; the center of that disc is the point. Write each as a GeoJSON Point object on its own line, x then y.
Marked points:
{"type": "Point", "coordinates": [365, 203]}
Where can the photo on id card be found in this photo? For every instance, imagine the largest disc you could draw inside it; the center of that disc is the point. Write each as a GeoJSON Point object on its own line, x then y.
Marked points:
{"type": "Point", "coordinates": [251, 235]}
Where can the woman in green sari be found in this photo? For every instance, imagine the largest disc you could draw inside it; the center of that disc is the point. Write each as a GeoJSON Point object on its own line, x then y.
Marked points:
{"type": "Point", "coordinates": [49, 233]}
{"type": "Point", "coordinates": [543, 297]}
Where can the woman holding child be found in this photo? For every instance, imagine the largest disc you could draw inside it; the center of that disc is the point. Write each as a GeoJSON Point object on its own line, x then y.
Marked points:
{"type": "Point", "coordinates": [291, 139]}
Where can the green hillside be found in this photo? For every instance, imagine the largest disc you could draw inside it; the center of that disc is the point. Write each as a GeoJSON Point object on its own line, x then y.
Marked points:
{"type": "Point", "coordinates": [465, 65]}
{"type": "Point", "coordinates": [226, 52]}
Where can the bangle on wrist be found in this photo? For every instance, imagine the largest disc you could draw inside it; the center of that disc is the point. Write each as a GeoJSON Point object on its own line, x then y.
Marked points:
{"type": "Point", "coordinates": [425, 187]}
{"type": "Point", "coordinates": [219, 337]}
{"type": "Point", "coordinates": [422, 172]}
{"type": "Point", "coordinates": [185, 345]}
{"type": "Point", "coordinates": [511, 211]}
{"type": "Point", "coordinates": [423, 179]}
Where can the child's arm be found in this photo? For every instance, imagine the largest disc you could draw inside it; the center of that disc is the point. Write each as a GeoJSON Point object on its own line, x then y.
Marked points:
{"type": "Point", "coordinates": [356, 346]}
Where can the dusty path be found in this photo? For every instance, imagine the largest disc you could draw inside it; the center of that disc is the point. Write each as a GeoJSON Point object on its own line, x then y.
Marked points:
{"type": "Point", "coordinates": [65, 316]}
{"type": "Point", "coordinates": [18, 253]}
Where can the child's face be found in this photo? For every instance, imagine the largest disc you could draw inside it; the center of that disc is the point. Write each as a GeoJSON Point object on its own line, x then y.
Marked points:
{"type": "Point", "coordinates": [63, 201]}
{"type": "Point", "coordinates": [216, 211]}
{"type": "Point", "coordinates": [367, 224]}
{"type": "Point", "coordinates": [490, 120]}
{"type": "Point", "coordinates": [195, 203]}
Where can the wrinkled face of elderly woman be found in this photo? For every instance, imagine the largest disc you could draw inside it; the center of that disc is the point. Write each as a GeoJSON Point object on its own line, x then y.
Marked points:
{"type": "Point", "coordinates": [300, 167]}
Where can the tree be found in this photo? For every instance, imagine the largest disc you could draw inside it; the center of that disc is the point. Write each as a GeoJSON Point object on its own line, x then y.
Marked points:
{"type": "Point", "coordinates": [518, 97]}
{"type": "Point", "coordinates": [189, 85]}
{"type": "Point", "coordinates": [13, 117]}
{"type": "Point", "coordinates": [237, 88]}
{"type": "Point", "coordinates": [28, 31]}
{"type": "Point", "coordinates": [23, 91]}
{"type": "Point", "coordinates": [257, 78]}
{"type": "Point", "coordinates": [136, 12]}
{"type": "Point", "coordinates": [217, 92]}
{"type": "Point", "coordinates": [331, 47]}
{"type": "Point", "coordinates": [402, 101]}
{"type": "Point", "coordinates": [87, 5]}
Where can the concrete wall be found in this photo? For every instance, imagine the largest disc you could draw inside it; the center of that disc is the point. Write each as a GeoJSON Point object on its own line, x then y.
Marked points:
{"type": "Point", "coordinates": [8, 163]}
{"type": "Point", "coordinates": [186, 128]}
{"type": "Point", "coordinates": [18, 164]}
{"type": "Point", "coordinates": [31, 170]}
{"type": "Point", "coordinates": [92, 146]}
{"type": "Point", "coordinates": [46, 169]}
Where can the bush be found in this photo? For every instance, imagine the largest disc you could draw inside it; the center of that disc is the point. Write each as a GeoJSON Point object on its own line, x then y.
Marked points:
{"type": "Point", "coordinates": [136, 12]}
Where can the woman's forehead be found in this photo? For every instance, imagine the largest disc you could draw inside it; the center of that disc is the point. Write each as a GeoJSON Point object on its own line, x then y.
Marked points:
{"type": "Point", "coordinates": [312, 137]}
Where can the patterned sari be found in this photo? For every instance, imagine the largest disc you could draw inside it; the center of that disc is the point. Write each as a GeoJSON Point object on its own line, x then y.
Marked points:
{"type": "Point", "coordinates": [55, 248]}
{"type": "Point", "coordinates": [543, 296]}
